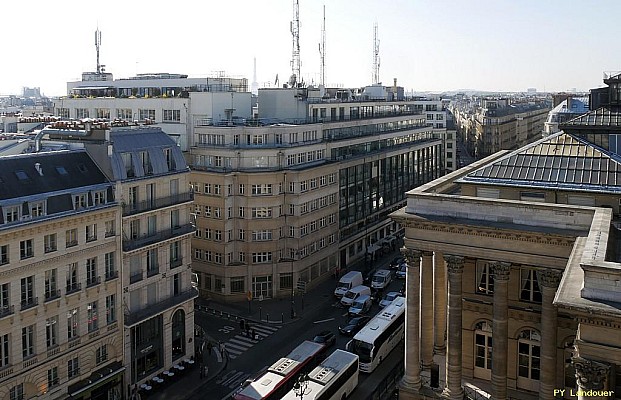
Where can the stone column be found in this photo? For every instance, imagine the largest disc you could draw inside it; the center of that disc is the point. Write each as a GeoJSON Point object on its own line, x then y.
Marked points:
{"type": "Point", "coordinates": [426, 310]}
{"type": "Point", "coordinates": [500, 341]}
{"type": "Point", "coordinates": [453, 389]}
{"type": "Point", "coordinates": [548, 282]}
{"type": "Point", "coordinates": [591, 375]}
{"type": "Point", "coordinates": [411, 383]}
{"type": "Point", "coordinates": [439, 305]}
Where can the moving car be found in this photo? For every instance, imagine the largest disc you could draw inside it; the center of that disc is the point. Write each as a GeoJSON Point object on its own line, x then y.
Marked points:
{"type": "Point", "coordinates": [361, 305]}
{"type": "Point", "coordinates": [396, 262]}
{"type": "Point", "coordinates": [388, 298]}
{"type": "Point", "coordinates": [381, 279]}
{"type": "Point", "coordinates": [401, 272]}
{"type": "Point", "coordinates": [325, 337]}
{"type": "Point", "coordinates": [353, 325]}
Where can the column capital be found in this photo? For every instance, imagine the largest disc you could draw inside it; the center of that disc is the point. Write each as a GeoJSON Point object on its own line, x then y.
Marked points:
{"type": "Point", "coordinates": [501, 270]}
{"type": "Point", "coordinates": [590, 375]}
{"type": "Point", "coordinates": [454, 264]}
{"type": "Point", "coordinates": [549, 278]}
{"type": "Point", "coordinates": [411, 255]}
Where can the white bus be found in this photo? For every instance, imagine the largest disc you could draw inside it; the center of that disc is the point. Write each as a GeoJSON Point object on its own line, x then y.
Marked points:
{"type": "Point", "coordinates": [379, 336]}
{"type": "Point", "coordinates": [334, 379]}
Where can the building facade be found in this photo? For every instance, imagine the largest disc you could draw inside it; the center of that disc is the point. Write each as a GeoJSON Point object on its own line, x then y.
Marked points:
{"type": "Point", "coordinates": [281, 205]}
{"type": "Point", "coordinates": [61, 329]}
{"type": "Point", "coordinates": [513, 267]}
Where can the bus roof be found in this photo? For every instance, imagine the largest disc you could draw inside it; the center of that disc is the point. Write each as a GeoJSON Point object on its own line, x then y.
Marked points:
{"type": "Point", "coordinates": [378, 324]}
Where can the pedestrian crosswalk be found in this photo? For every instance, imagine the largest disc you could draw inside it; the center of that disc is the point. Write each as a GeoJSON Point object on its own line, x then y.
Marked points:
{"type": "Point", "coordinates": [238, 344]}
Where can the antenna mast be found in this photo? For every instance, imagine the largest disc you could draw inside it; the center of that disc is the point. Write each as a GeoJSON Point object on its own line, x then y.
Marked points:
{"type": "Point", "coordinates": [295, 33]}
{"type": "Point", "coordinates": [97, 44]}
{"type": "Point", "coordinates": [322, 48]}
{"type": "Point", "coordinates": [376, 57]}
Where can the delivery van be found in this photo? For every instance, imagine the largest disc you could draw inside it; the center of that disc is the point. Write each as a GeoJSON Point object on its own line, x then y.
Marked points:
{"type": "Point", "coordinates": [348, 281]}
{"type": "Point", "coordinates": [353, 294]}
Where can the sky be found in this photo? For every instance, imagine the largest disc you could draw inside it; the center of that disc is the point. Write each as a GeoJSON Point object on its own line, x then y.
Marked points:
{"type": "Point", "coordinates": [428, 45]}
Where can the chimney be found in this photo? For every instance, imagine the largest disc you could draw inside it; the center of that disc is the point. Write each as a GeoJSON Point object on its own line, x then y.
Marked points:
{"type": "Point", "coordinates": [39, 169]}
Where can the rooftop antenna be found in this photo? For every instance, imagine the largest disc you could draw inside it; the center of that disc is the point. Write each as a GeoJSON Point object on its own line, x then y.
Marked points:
{"type": "Point", "coordinates": [376, 57]}
{"type": "Point", "coordinates": [295, 33]}
{"type": "Point", "coordinates": [97, 44]}
{"type": "Point", "coordinates": [322, 48]}
{"type": "Point", "coordinates": [254, 88]}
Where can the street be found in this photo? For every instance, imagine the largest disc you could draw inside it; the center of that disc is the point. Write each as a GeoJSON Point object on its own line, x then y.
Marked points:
{"type": "Point", "coordinates": [248, 355]}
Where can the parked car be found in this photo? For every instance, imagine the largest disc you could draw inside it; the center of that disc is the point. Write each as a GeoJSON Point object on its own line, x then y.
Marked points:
{"type": "Point", "coordinates": [388, 298]}
{"type": "Point", "coordinates": [353, 325]}
{"type": "Point", "coordinates": [396, 262]}
{"type": "Point", "coordinates": [325, 337]}
{"type": "Point", "coordinates": [381, 279]}
{"type": "Point", "coordinates": [401, 272]}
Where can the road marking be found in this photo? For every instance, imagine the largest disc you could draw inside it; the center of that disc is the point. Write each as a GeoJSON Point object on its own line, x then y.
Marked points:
{"type": "Point", "coordinates": [232, 378]}
{"type": "Point", "coordinates": [323, 320]}
{"type": "Point", "coordinates": [246, 339]}
{"type": "Point", "coordinates": [225, 377]}
{"type": "Point", "coordinates": [239, 342]}
{"type": "Point", "coordinates": [238, 382]}
{"type": "Point", "coordinates": [236, 352]}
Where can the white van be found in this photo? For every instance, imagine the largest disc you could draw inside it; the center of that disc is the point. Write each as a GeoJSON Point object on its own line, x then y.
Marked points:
{"type": "Point", "coordinates": [361, 305]}
{"type": "Point", "coordinates": [381, 279]}
{"type": "Point", "coordinates": [348, 281]}
{"type": "Point", "coordinates": [353, 294]}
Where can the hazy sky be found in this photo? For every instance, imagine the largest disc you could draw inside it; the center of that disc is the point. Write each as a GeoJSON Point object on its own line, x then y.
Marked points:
{"type": "Point", "coordinates": [429, 45]}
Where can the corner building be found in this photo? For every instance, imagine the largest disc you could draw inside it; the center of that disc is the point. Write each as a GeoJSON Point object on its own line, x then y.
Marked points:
{"type": "Point", "coordinates": [307, 190]}
{"type": "Point", "coordinates": [518, 265]}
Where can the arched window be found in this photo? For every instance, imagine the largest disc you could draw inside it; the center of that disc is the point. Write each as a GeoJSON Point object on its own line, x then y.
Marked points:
{"type": "Point", "coordinates": [529, 354]}
{"type": "Point", "coordinates": [178, 334]}
{"type": "Point", "coordinates": [483, 349]}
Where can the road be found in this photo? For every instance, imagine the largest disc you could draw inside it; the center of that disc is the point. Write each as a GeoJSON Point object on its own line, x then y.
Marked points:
{"type": "Point", "coordinates": [248, 356]}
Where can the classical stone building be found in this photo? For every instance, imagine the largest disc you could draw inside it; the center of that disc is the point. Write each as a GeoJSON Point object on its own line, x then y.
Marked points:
{"type": "Point", "coordinates": [514, 267]}
{"type": "Point", "coordinates": [60, 298]}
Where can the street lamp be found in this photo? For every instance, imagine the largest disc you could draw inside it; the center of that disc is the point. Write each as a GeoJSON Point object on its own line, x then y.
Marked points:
{"type": "Point", "coordinates": [300, 385]}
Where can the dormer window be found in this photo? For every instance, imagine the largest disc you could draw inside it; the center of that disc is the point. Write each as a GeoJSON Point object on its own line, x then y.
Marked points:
{"type": "Point", "coordinates": [79, 201]}
{"type": "Point", "coordinates": [37, 209]}
{"type": "Point", "coordinates": [100, 197]}
{"type": "Point", "coordinates": [11, 214]}
{"type": "Point", "coordinates": [170, 161]}
{"type": "Point", "coordinates": [127, 163]}
{"type": "Point", "coordinates": [146, 163]}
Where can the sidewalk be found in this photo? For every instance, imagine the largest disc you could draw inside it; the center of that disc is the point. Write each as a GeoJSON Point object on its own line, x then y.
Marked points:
{"type": "Point", "coordinates": [191, 383]}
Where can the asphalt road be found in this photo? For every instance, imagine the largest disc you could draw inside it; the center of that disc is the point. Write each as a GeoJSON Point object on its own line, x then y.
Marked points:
{"type": "Point", "coordinates": [248, 356]}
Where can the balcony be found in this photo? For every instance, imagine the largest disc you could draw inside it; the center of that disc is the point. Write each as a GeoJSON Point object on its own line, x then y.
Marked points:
{"type": "Point", "coordinates": [133, 244]}
{"type": "Point", "coordinates": [136, 277]}
{"type": "Point", "coordinates": [174, 263]}
{"type": "Point", "coordinates": [5, 311]}
{"type": "Point", "coordinates": [151, 310]}
{"type": "Point", "coordinates": [52, 295]}
{"type": "Point", "coordinates": [111, 275]}
{"type": "Point", "coordinates": [94, 281]}
{"type": "Point", "coordinates": [29, 303]}
{"type": "Point", "coordinates": [73, 288]}
{"type": "Point", "coordinates": [154, 204]}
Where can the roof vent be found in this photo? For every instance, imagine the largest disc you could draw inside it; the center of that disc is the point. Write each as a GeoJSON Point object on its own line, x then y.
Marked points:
{"type": "Point", "coordinates": [39, 169]}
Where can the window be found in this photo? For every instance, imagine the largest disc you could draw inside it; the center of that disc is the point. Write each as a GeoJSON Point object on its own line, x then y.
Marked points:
{"type": "Point", "coordinates": [109, 265]}
{"type": "Point", "coordinates": [303, 186]}
{"type": "Point", "coordinates": [51, 287]}
{"type": "Point", "coordinates": [208, 211]}
{"type": "Point", "coordinates": [51, 331]}
{"type": "Point", "coordinates": [170, 160]}
{"type": "Point", "coordinates": [483, 346]}
{"type": "Point", "coordinates": [91, 232]}
{"type": "Point", "coordinates": [110, 309]}
{"type": "Point", "coordinates": [263, 257]}
{"type": "Point", "coordinates": [62, 112]}
{"type": "Point", "coordinates": [102, 113]}
{"type": "Point", "coordinates": [52, 377]}
{"type": "Point", "coordinates": [5, 298]}
{"type": "Point", "coordinates": [91, 310]}
{"type": "Point", "coordinates": [286, 280]}
{"type": "Point", "coordinates": [241, 212]}
{"type": "Point", "coordinates": [72, 323]}
{"type": "Point", "coordinates": [73, 368]}
{"type": "Point", "coordinates": [134, 229]}
{"type": "Point", "coordinates": [151, 225]}
{"type": "Point", "coordinates": [28, 341]}
{"type": "Point", "coordinates": [124, 114]}
{"type": "Point", "coordinates": [72, 278]}
{"type": "Point", "coordinates": [11, 214]}
{"type": "Point", "coordinates": [313, 183]}
{"type": "Point", "coordinates": [261, 212]}
{"type": "Point", "coordinates": [242, 235]}
{"type": "Point", "coordinates": [49, 243]}
{"type": "Point", "coordinates": [218, 235]}
{"type": "Point", "coordinates": [128, 164]}
{"type": "Point", "coordinates": [146, 114]}
{"type": "Point", "coordinates": [529, 353]}
{"type": "Point", "coordinates": [175, 253]}
{"type": "Point", "coordinates": [258, 236]}
{"type": "Point", "coordinates": [152, 264]}
{"type": "Point", "coordinates": [101, 355]}
{"type": "Point", "coordinates": [4, 254]}
{"type": "Point", "coordinates": [217, 212]}
{"type": "Point", "coordinates": [71, 237]}
{"type": "Point", "coordinates": [99, 197]}
{"type": "Point", "coordinates": [238, 284]}
{"type": "Point", "coordinates": [79, 201]}
{"type": "Point", "coordinates": [242, 188]}
{"type": "Point", "coordinates": [81, 113]}
{"type": "Point", "coordinates": [530, 286]}
{"type": "Point", "coordinates": [146, 163]}
{"type": "Point", "coordinates": [110, 229]}
{"type": "Point", "coordinates": [485, 278]}
{"type": "Point", "coordinates": [27, 292]}
{"type": "Point", "coordinates": [262, 189]}
{"type": "Point", "coordinates": [91, 272]}
{"type": "Point", "coordinates": [37, 209]}
{"type": "Point", "coordinates": [207, 188]}
{"type": "Point", "coordinates": [25, 249]}
{"type": "Point", "coordinates": [171, 115]}
{"type": "Point", "coordinates": [4, 350]}
{"type": "Point", "coordinates": [217, 189]}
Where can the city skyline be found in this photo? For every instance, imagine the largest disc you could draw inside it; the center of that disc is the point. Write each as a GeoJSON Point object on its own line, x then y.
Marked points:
{"type": "Point", "coordinates": [427, 46]}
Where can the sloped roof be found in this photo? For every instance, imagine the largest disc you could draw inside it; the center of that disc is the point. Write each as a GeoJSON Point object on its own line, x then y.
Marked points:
{"type": "Point", "coordinates": [603, 117]}
{"type": "Point", "coordinates": [560, 160]}
{"type": "Point", "coordinates": [59, 170]}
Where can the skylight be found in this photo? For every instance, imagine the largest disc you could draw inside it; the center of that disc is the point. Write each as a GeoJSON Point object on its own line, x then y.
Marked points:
{"type": "Point", "coordinates": [22, 175]}
{"type": "Point", "coordinates": [61, 170]}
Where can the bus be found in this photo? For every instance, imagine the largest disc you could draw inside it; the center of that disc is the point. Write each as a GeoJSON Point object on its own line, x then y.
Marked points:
{"type": "Point", "coordinates": [379, 336]}
{"type": "Point", "coordinates": [279, 378]}
{"type": "Point", "coordinates": [334, 379]}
